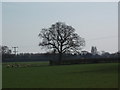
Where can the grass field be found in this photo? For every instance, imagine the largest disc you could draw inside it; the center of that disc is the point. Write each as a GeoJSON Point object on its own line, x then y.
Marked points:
{"type": "Point", "coordinates": [103, 75]}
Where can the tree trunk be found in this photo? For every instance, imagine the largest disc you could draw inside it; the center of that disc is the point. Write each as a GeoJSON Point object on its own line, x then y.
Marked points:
{"type": "Point", "coordinates": [60, 54]}
{"type": "Point", "coordinates": [60, 58]}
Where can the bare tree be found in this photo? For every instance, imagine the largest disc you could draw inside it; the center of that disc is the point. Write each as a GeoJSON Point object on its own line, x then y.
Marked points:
{"type": "Point", "coordinates": [61, 38]}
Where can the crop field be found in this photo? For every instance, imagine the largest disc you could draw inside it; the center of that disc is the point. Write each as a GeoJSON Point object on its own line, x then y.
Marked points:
{"type": "Point", "coordinates": [41, 75]}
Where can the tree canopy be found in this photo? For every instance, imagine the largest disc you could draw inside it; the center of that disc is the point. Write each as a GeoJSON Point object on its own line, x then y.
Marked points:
{"type": "Point", "coordinates": [61, 38]}
{"type": "Point", "coordinates": [5, 50]}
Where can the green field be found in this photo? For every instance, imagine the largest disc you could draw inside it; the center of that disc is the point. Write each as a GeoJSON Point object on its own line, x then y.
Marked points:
{"type": "Point", "coordinates": [103, 75]}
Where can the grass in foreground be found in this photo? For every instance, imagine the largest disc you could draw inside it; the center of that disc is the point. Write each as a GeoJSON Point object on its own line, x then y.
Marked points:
{"type": "Point", "coordinates": [66, 76]}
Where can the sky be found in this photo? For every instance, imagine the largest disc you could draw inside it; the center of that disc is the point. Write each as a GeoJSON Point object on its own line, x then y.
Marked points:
{"type": "Point", "coordinates": [96, 22]}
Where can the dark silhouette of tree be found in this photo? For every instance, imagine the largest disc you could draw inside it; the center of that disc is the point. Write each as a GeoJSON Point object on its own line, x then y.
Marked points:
{"type": "Point", "coordinates": [94, 50]}
{"type": "Point", "coordinates": [61, 38]}
{"type": "Point", "coordinates": [105, 54]}
{"type": "Point", "coordinates": [6, 50]}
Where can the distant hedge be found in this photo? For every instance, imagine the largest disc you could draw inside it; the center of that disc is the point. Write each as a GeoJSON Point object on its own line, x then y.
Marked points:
{"type": "Point", "coordinates": [84, 61]}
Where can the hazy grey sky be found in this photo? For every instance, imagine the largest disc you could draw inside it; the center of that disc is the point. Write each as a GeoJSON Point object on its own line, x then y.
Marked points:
{"type": "Point", "coordinates": [96, 22]}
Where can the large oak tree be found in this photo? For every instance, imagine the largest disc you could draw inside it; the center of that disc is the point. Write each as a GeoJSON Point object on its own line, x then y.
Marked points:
{"type": "Point", "coordinates": [61, 38]}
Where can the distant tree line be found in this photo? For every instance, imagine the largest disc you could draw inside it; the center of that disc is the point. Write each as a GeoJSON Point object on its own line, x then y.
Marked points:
{"type": "Point", "coordinates": [84, 56]}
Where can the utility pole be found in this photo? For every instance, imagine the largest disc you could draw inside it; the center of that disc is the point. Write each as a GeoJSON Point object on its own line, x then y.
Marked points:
{"type": "Point", "coordinates": [15, 50]}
